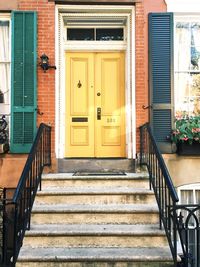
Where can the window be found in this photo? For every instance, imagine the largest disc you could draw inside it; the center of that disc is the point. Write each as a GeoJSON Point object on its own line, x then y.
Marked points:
{"type": "Point", "coordinates": [80, 34]}
{"type": "Point", "coordinates": [187, 67]}
{"type": "Point", "coordinates": [95, 34]}
{"type": "Point", "coordinates": [5, 64]}
{"type": "Point", "coordinates": [95, 27]}
{"type": "Point", "coordinates": [190, 194]}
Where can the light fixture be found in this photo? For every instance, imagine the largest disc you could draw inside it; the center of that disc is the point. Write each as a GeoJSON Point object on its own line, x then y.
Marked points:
{"type": "Point", "coordinates": [1, 97]}
{"type": "Point", "coordinates": [44, 63]}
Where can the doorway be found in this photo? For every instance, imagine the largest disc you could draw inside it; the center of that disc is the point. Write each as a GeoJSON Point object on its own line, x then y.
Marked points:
{"type": "Point", "coordinates": [95, 104]}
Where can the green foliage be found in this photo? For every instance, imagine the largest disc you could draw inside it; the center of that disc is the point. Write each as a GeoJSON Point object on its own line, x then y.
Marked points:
{"type": "Point", "coordinates": [187, 129]}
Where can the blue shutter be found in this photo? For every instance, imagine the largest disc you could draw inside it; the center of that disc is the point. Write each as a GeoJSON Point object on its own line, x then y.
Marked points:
{"type": "Point", "coordinates": [23, 80]}
{"type": "Point", "coordinates": [161, 72]}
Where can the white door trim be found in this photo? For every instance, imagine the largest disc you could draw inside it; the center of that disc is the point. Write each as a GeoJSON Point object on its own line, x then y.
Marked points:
{"type": "Point", "coordinates": [128, 47]}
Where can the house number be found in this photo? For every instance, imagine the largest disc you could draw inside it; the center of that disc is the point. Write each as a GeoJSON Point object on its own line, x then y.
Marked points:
{"type": "Point", "coordinates": [110, 120]}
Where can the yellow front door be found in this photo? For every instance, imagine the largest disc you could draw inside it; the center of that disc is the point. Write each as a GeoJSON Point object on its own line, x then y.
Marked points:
{"type": "Point", "coordinates": [95, 105]}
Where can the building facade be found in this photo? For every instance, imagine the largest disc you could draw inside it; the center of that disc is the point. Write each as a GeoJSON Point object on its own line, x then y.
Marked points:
{"type": "Point", "coordinates": [118, 65]}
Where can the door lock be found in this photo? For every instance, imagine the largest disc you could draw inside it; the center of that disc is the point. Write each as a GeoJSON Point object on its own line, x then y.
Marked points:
{"type": "Point", "coordinates": [98, 113]}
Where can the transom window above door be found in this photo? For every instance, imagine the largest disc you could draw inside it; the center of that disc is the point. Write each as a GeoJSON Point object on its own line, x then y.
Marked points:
{"type": "Point", "coordinates": [95, 34]}
{"type": "Point", "coordinates": [95, 28]}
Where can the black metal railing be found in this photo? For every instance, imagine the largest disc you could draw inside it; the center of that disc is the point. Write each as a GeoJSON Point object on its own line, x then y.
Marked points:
{"type": "Point", "coordinates": [16, 204]}
{"type": "Point", "coordinates": [176, 219]}
{"type": "Point", "coordinates": [4, 138]}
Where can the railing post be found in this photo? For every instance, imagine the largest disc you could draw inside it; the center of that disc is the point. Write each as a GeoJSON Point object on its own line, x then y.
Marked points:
{"type": "Point", "coordinates": [141, 144]}
{"type": "Point", "coordinates": [49, 145]}
{"type": "Point", "coordinates": [175, 232]}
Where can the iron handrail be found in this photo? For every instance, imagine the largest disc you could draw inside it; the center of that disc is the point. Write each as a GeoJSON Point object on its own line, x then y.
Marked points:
{"type": "Point", "coordinates": [162, 184]}
{"type": "Point", "coordinates": [180, 221]}
{"type": "Point", "coordinates": [18, 202]}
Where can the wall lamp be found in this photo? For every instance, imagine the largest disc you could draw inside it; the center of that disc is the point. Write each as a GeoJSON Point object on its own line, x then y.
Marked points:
{"type": "Point", "coordinates": [44, 63]}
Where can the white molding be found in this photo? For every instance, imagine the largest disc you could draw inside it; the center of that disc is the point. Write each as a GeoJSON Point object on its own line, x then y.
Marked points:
{"type": "Point", "coordinates": [188, 6]}
{"type": "Point", "coordinates": [195, 186]}
{"type": "Point", "coordinates": [5, 16]}
{"type": "Point", "coordinates": [94, 46]}
{"type": "Point", "coordinates": [57, 84]}
{"type": "Point", "coordinates": [5, 108]}
{"type": "Point", "coordinates": [127, 12]}
{"type": "Point", "coordinates": [133, 107]}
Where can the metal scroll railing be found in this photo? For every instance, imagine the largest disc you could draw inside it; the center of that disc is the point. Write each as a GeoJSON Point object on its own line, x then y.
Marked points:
{"type": "Point", "coordinates": [16, 204]}
{"type": "Point", "coordinates": [181, 222]}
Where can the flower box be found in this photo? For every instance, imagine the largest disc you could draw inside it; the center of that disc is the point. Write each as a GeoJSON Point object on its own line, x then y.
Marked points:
{"type": "Point", "coordinates": [186, 149]}
{"type": "Point", "coordinates": [186, 135]}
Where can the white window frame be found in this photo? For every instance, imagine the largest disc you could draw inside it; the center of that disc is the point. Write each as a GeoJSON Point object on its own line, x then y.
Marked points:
{"type": "Point", "coordinates": [182, 5]}
{"type": "Point", "coordinates": [5, 108]}
{"type": "Point", "coordinates": [189, 187]}
{"type": "Point", "coordinates": [180, 17]}
{"type": "Point", "coordinates": [193, 188]}
{"type": "Point", "coordinates": [129, 48]}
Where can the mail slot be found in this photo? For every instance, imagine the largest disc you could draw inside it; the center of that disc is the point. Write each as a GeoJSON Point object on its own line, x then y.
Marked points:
{"type": "Point", "coordinates": [77, 119]}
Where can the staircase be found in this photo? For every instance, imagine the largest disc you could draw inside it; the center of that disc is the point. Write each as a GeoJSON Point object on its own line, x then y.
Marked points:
{"type": "Point", "coordinates": [95, 221]}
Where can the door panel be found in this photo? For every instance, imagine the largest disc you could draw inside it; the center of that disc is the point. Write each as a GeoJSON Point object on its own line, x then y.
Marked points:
{"type": "Point", "coordinates": [95, 118]}
{"type": "Point", "coordinates": [79, 86]}
{"type": "Point", "coordinates": [80, 102]}
{"type": "Point", "coordinates": [109, 82]}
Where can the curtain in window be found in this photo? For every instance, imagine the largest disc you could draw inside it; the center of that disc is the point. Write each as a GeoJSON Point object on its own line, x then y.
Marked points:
{"type": "Point", "coordinates": [187, 197]}
{"type": "Point", "coordinates": [195, 46]}
{"type": "Point", "coordinates": [4, 60]}
{"type": "Point", "coordinates": [182, 65]}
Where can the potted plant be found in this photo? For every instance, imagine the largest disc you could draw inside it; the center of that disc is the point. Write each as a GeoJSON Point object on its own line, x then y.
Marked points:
{"type": "Point", "coordinates": [186, 135]}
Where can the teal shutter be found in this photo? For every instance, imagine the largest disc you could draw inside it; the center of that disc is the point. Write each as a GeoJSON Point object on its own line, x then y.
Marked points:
{"type": "Point", "coordinates": [23, 80]}
{"type": "Point", "coordinates": [161, 73]}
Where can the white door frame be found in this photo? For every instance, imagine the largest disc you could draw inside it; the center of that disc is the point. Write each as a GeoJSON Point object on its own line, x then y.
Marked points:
{"type": "Point", "coordinates": [129, 47]}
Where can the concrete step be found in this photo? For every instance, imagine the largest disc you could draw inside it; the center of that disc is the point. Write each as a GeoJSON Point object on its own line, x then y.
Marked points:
{"type": "Point", "coordinates": [76, 235]}
{"type": "Point", "coordinates": [96, 165]}
{"type": "Point", "coordinates": [95, 195]}
{"type": "Point", "coordinates": [136, 180]}
{"type": "Point", "coordinates": [92, 214]}
{"type": "Point", "coordinates": [95, 257]}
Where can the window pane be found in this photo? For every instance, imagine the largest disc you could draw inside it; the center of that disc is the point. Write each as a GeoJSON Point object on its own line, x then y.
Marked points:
{"type": "Point", "coordinates": [195, 84]}
{"type": "Point", "coordinates": [4, 41]}
{"type": "Point", "coordinates": [195, 46]}
{"type": "Point", "coordinates": [182, 92]}
{"type": "Point", "coordinates": [182, 43]}
{"type": "Point", "coordinates": [80, 34]}
{"type": "Point", "coordinates": [4, 62]}
{"type": "Point", "coordinates": [109, 34]}
{"type": "Point", "coordinates": [5, 80]}
{"type": "Point", "coordinates": [187, 197]}
{"type": "Point", "coordinates": [195, 94]}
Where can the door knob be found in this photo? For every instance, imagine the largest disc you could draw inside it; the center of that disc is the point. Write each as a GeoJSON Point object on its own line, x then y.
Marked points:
{"type": "Point", "coordinates": [98, 94]}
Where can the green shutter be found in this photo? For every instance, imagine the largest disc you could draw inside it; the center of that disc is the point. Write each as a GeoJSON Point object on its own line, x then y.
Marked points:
{"type": "Point", "coordinates": [23, 80]}
{"type": "Point", "coordinates": [161, 72]}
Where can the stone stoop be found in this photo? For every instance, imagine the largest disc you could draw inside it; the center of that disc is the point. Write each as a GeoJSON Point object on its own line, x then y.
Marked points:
{"type": "Point", "coordinates": [95, 221]}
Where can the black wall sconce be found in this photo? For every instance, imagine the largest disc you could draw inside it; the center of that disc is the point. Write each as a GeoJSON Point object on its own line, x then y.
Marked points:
{"type": "Point", "coordinates": [1, 97]}
{"type": "Point", "coordinates": [44, 63]}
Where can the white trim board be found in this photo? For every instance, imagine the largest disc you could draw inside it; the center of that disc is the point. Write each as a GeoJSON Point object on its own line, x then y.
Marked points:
{"type": "Point", "coordinates": [187, 6]}
{"type": "Point", "coordinates": [129, 47]}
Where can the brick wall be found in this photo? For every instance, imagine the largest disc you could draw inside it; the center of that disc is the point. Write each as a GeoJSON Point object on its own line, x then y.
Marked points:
{"type": "Point", "coordinates": [46, 44]}
{"type": "Point", "coordinates": [142, 94]}
{"type": "Point", "coordinates": [141, 75]}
